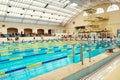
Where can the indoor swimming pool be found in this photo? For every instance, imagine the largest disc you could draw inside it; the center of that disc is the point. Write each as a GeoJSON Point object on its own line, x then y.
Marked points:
{"type": "Point", "coordinates": [25, 60]}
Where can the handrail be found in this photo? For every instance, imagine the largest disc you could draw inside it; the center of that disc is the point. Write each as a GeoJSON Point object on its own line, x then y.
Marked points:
{"type": "Point", "coordinates": [80, 74]}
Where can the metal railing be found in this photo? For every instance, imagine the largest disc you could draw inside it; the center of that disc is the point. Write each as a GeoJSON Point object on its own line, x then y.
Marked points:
{"type": "Point", "coordinates": [80, 74]}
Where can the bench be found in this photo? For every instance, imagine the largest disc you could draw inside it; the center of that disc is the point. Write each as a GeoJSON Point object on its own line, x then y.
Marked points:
{"type": "Point", "coordinates": [110, 49]}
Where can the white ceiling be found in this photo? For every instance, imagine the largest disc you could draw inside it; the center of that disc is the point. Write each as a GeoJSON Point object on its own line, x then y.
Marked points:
{"type": "Point", "coordinates": [46, 12]}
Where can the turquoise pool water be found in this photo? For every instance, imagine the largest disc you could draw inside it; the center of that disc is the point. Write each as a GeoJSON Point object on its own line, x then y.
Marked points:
{"type": "Point", "coordinates": [25, 60]}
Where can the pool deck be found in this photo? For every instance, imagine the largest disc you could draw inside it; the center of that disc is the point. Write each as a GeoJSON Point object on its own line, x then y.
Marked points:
{"type": "Point", "coordinates": [114, 74]}
{"type": "Point", "coordinates": [63, 72]}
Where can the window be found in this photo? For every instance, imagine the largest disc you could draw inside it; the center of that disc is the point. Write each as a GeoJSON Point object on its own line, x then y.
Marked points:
{"type": "Point", "coordinates": [99, 10]}
{"type": "Point", "coordinates": [85, 14]}
{"type": "Point", "coordinates": [113, 7]}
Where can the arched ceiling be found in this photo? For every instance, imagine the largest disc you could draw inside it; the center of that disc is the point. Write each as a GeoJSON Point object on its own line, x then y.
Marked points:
{"type": "Point", "coordinates": [46, 12]}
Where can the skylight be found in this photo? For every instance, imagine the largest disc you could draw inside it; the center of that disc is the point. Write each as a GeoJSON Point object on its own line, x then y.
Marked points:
{"type": "Point", "coordinates": [51, 11]}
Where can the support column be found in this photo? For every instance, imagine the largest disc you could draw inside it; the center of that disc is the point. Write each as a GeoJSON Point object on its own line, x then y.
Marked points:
{"type": "Point", "coordinates": [34, 30]}
{"type": "Point", "coordinates": [3, 30]}
{"type": "Point", "coordinates": [20, 30]}
{"type": "Point", "coordinates": [46, 31]}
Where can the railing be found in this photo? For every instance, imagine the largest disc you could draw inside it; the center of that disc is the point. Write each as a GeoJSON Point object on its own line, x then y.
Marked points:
{"type": "Point", "coordinates": [80, 74]}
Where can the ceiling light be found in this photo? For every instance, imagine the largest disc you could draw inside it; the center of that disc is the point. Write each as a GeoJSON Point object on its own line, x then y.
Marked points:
{"type": "Point", "coordinates": [9, 6]}
{"type": "Point", "coordinates": [21, 14]}
{"type": "Point", "coordinates": [33, 10]}
{"type": "Point", "coordinates": [46, 5]}
{"type": "Point", "coordinates": [23, 8]}
{"type": "Point", "coordinates": [8, 12]}
{"type": "Point", "coordinates": [73, 4]}
{"type": "Point", "coordinates": [65, 6]}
